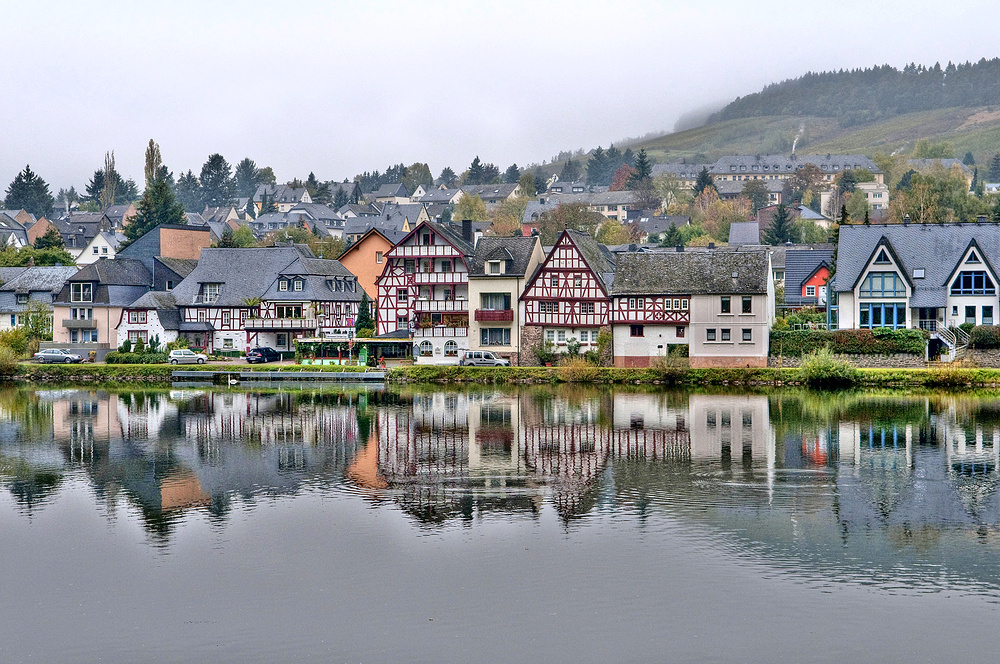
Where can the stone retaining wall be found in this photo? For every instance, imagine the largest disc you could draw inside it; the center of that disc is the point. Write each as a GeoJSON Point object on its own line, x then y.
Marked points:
{"type": "Point", "coordinates": [983, 358]}
{"type": "Point", "coordinates": [894, 361]}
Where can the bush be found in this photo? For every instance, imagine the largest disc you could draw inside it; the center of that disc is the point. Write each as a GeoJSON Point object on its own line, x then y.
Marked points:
{"type": "Point", "coordinates": [126, 346]}
{"type": "Point", "coordinates": [822, 369]}
{"type": "Point", "coordinates": [366, 332]}
{"type": "Point", "coordinates": [179, 344]}
{"type": "Point", "coordinates": [15, 339]}
{"type": "Point", "coordinates": [8, 361]}
{"type": "Point", "coordinates": [117, 357]}
{"type": "Point", "coordinates": [879, 341]}
{"type": "Point", "coordinates": [966, 327]}
{"type": "Point", "coordinates": [985, 336]}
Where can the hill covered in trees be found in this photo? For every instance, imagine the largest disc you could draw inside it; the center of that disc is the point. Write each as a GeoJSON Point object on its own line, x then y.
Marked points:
{"type": "Point", "coordinates": [861, 96]}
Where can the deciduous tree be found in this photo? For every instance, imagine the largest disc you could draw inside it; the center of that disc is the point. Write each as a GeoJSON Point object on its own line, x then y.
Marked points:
{"type": "Point", "coordinates": [756, 192]}
{"type": "Point", "coordinates": [470, 207]}
{"type": "Point", "coordinates": [576, 216]}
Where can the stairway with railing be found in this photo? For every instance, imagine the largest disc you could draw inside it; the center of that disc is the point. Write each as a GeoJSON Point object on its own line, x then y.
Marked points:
{"type": "Point", "coordinates": [956, 339]}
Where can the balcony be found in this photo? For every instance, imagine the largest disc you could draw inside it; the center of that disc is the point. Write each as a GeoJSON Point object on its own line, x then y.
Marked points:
{"type": "Point", "coordinates": [495, 315]}
{"type": "Point", "coordinates": [420, 251]}
{"type": "Point", "coordinates": [427, 278]}
{"type": "Point", "coordinates": [80, 323]}
{"type": "Point", "coordinates": [280, 324]}
{"type": "Point", "coordinates": [441, 306]}
{"type": "Point", "coordinates": [440, 331]}
{"type": "Point", "coordinates": [930, 325]}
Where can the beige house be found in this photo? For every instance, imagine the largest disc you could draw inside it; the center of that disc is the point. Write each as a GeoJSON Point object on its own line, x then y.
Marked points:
{"type": "Point", "coordinates": [498, 273]}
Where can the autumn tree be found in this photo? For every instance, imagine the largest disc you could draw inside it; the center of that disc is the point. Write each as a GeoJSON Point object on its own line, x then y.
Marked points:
{"type": "Point", "coordinates": [613, 231]}
{"type": "Point", "coordinates": [527, 184]}
{"type": "Point", "coordinates": [417, 173]}
{"type": "Point", "coordinates": [575, 216]}
{"type": "Point", "coordinates": [621, 178]}
{"type": "Point", "coordinates": [506, 218]}
{"type": "Point", "coordinates": [756, 192]}
{"type": "Point", "coordinates": [470, 207]}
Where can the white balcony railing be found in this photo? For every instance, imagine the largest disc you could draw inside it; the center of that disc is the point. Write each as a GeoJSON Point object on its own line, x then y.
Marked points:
{"type": "Point", "coordinates": [422, 278]}
{"type": "Point", "coordinates": [441, 306]}
{"type": "Point", "coordinates": [440, 331]}
{"type": "Point", "coordinates": [280, 324]}
{"type": "Point", "coordinates": [423, 250]}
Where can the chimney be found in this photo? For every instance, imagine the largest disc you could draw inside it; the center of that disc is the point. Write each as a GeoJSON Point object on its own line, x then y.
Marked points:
{"type": "Point", "coordinates": [981, 219]}
{"type": "Point", "coordinates": [467, 230]}
{"type": "Point", "coordinates": [906, 220]}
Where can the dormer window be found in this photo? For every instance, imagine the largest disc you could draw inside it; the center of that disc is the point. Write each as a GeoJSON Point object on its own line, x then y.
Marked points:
{"type": "Point", "coordinates": [82, 292]}
{"type": "Point", "coordinates": [494, 267]}
{"type": "Point", "coordinates": [973, 258]}
{"type": "Point", "coordinates": [882, 258]}
{"type": "Point", "coordinates": [210, 292]}
{"type": "Point", "coordinates": [22, 298]}
{"type": "Point", "coordinates": [298, 284]}
{"type": "Point", "coordinates": [283, 285]}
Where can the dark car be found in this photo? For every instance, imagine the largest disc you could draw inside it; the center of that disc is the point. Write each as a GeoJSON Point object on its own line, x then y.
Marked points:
{"type": "Point", "coordinates": [262, 354]}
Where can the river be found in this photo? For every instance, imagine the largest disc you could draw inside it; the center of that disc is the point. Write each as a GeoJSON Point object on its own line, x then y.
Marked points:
{"type": "Point", "coordinates": [558, 524]}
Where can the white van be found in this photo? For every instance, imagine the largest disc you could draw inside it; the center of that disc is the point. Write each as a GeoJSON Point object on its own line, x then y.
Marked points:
{"type": "Point", "coordinates": [482, 358]}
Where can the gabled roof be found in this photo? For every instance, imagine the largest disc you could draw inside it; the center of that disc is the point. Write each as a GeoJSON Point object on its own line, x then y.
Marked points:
{"type": "Point", "coordinates": [155, 300]}
{"type": "Point", "coordinates": [516, 250]}
{"type": "Point", "coordinates": [40, 278]}
{"type": "Point", "coordinates": [502, 190]}
{"type": "Point", "coordinates": [182, 267]}
{"type": "Point", "coordinates": [115, 272]}
{"type": "Point", "coordinates": [244, 273]}
{"type": "Point", "coordinates": [450, 236]}
{"type": "Point", "coordinates": [323, 279]}
{"type": "Point", "coordinates": [597, 257]}
{"type": "Point", "coordinates": [744, 232]}
{"type": "Point", "coordinates": [392, 189]}
{"type": "Point", "coordinates": [693, 273]}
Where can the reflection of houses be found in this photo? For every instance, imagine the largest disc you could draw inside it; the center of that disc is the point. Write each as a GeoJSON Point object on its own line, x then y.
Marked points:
{"type": "Point", "coordinates": [724, 425]}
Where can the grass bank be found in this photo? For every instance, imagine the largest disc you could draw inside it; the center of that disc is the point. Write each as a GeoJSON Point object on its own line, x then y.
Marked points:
{"type": "Point", "coordinates": [769, 376]}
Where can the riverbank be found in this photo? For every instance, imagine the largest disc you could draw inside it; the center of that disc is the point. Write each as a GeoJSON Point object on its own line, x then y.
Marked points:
{"type": "Point", "coordinates": [680, 376]}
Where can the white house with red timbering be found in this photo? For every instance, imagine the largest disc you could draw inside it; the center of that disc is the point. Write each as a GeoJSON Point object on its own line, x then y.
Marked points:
{"type": "Point", "coordinates": [568, 299]}
{"type": "Point", "coordinates": [720, 304]}
{"type": "Point", "coordinates": [424, 289]}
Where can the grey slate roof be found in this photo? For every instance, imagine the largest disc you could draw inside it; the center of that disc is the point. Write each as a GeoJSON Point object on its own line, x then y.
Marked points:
{"type": "Point", "coordinates": [397, 189]}
{"type": "Point", "coordinates": [324, 280]}
{"type": "Point", "coordinates": [165, 305]}
{"type": "Point", "coordinates": [661, 224]}
{"type": "Point", "coordinates": [925, 164]}
{"type": "Point", "coordinates": [694, 273]}
{"type": "Point", "coordinates": [936, 248]}
{"type": "Point", "coordinates": [39, 278]}
{"type": "Point", "coordinates": [489, 191]}
{"type": "Point", "coordinates": [681, 171]}
{"type": "Point", "coordinates": [516, 250]}
{"type": "Point", "coordinates": [744, 232]}
{"type": "Point", "coordinates": [182, 267]}
{"type": "Point", "coordinates": [438, 196]}
{"type": "Point", "coordinates": [8, 273]}
{"type": "Point", "coordinates": [120, 281]}
{"type": "Point", "coordinates": [243, 273]}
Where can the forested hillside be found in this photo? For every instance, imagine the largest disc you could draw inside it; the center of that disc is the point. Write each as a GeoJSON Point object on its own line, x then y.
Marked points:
{"type": "Point", "coordinates": [862, 96]}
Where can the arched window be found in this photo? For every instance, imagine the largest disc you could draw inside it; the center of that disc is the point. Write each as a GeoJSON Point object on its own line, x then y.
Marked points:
{"type": "Point", "coordinates": [426, 348]}
{"type": "Point", "coordinates": [450, 348]}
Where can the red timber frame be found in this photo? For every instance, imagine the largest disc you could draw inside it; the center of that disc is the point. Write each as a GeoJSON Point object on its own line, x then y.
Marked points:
{"type": "Point", "coordinates": [567, 284]}
{"type": "Point", "coordinates": [652, 310]}
{"type": "Point", "coordinates": [395, 278]}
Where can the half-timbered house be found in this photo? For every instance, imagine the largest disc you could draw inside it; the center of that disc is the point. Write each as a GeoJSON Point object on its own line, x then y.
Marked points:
{"type": "Point", "coordinates": [568, 299]}
{"type": "Point", "coordinates": [424, 288]}
{"type": "Point", "coordinates": [721, 304]}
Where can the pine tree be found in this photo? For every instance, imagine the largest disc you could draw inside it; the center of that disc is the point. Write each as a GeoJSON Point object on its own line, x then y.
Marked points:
{"type": "Point", "coordinates": [570, 172]}
{"type": "Point", "coordinates": [246, 177]}
{"type": "Point", "coordinates": [597, 167]}
{"type": "Point", "coordinates": [672, 238]}
{"type": "Point", "coordinates": [643, 169]}
{"type": "Point", "coordinates": [266, 205]}
{"type": "Point", "coordinates": [30, 193]}
{"type": "Point", "coordinates": [844, 217]}
{"type": "Point", "coordinates": [476, 173]}
{"type": "Point", "coordinates": [782, 227]}
{"type": "Point", "coordinates": [158, 206]}
{"type": "Point", "coordinates": [703, 181]}
{"type": "Point", "coordinates": [340, 198]}
{"type": "Point", "coordinates": [512, 174]}
{"type": "Point", "coordinates": [216, 182]}
{"type": "Point", "coordinates": [968, 159]}
{"type": "Point", "coordinates": [447, 177]}
{"type": "Point", "coordinates": [994, 174]}
{"type": "Point", "coordinates": [364, 320]}
{"type": "Point", "coordinates": [188, 191]}
{"type": "Point", "coordinates": [52, 239]}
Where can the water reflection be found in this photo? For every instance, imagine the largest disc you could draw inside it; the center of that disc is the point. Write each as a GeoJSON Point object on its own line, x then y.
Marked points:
{"type": "Point", "coordinates": [864, 487]}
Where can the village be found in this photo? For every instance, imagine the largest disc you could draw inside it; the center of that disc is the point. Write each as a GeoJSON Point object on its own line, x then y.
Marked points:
{"type": "Point", "coordinates": [418, 283]}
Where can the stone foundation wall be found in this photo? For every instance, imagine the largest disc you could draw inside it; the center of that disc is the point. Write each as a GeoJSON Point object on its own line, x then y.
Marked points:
{"type": "Point", "coordinates": [531, 339]}
{"type": "Point", "coordinates": [989, 359]}
{"type": "Point", "coordinates": [724, 362]}
{"type": "Point", "coordinates": [895, 361]}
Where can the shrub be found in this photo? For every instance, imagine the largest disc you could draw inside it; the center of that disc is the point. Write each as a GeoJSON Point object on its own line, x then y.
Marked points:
{"type": "Point", "coordinates": [140, 346]}
{"type": "Point", "coordinates": [985, 336]}
{"type": "Point", "coordinates": [178, 344]}
{"type": "Point", "coordinates": [966, 327]}
{"type": "Point", "coordinates": [125, 347]}
{"type": "Point", "coordinates": [15, 339]}
{"type": "Point", "coordinates": [822, 369]}
{"type": "Point", "coordinates": [366, 332]}
{"type": "Point", "coordinates": [8, 361]}
{"type": "Point", "coordinates": [578, 370]}
{"type": "Point", "coordinates": [117, 357]}
{"type": "Point", "coordinates": [879, 341]}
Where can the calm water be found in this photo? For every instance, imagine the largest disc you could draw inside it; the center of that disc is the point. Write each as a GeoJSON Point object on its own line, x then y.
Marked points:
{"type": "Point", "coordinates": [540, 525]}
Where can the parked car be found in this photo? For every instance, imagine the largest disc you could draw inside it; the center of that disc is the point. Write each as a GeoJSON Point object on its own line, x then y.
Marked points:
{"type": "Point", "coordinates": [186, 356]}
{"type": "Point", "coordinates": [482, 358]}
{"type": "Point", "coordinates": [56, 355]}
{"type": "Point", "coordinates": [262, 354]}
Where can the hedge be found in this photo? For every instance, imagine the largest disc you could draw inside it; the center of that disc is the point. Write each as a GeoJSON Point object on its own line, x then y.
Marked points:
{"type": "Point", "coordinates": [879, 341]}
{"type": "Point", "coordinates": [985, 336]}
{"type": "Point", "coordinates": [117, 357]}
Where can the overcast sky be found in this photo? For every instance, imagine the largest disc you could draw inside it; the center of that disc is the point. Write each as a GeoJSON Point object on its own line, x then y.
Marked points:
{"type": "Point", "coordinates": [338, 88]}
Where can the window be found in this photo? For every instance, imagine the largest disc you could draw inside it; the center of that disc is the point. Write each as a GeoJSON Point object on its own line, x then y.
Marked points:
{"type": "Point", "coordinates": [283, 285]}
{"type": "Point", "coordinates": [225, 318]}
{"type": "Point", "coordinates": [548, 307]}
{"type": "Point", "coordinates": [550, 335]}
{"type": "Point", "coordinates": [211, 292]}
{"type": "Point", "coordinates": [554, 280]}
{"type": "Point", "coordinates": [883, 284]}
{"type": "Point", "coordinates": [81, 314]}
{"type": "Point", "coordinates": [973, 258]}
{"type": "Point", "coordinates": [202, 315]}
{"type": "Point", "coordinates": [584, 336]}
{"type": "Point", "coordinates": [882, 258]}
{"type": "Point", "coordinates": [561, 336]}
{"type": "Point", "coordinates": [227, 343]}
{"type": "Point", "coordinates": [426, 348]}
{"type": "Point", "coordinates": [83, 292]}
{"type": "Point", "coordinates": [973, 283]}
{"type": "Point", "coordinates": [726, 305]}
{"type": "Point", "coordinates": [170, 284]}
{"type": "Point", "coordinates": [810, 291]}
{"type": "Point", "coordinates": [13, 320]}
{"type": "Point", "coordinates": [710, 334]}
{"type": "Point", "coordinates": [402, 322]}
{"type": "Point", "coordinates": [988, 315]}
{"type": "Point", "coordinates": [918, 273]}
{"type": "Point", "coordinates": [378, 257]}
{"type": "Point", "coordinates": [137, 317]}
{"type": "Point", "coordinates": [135, 335]}
{"type": "Point", "coordinates": [298, 284]}
{"type": "Point", "coordinates": [402, 295]}
{"type": "Point", "coordinates": [883, 314]}
{"type": "Point", "coordinates": [104, 250]}
{"type": "Point", "coordinates": [494, 267]}
{"type": "Point", "coordinates": [667, 304]}
{"type": "Point", "coordinates": [684, 304]}
{"type": "Point", "coordinates": [747, 304]}
{"type": "Point", "coordinates": [680, 331]}
{"type": "Point", "coordinates": [494, 336]}
{"type": "Point", "coordinates": [747, 334]}
{"type": "Point", "coordinates": [725, 334]}
{"type": "Point", "coordinates": [586, 307]}
{"type": "Point", "coordinates": [446, 266]}
{"type": "Point", "coordinates": [578, 281]}
{"type": "Point", "coordinates": [451, 348]}
{"type": "Point", "coordinates": [636, 330]}
{"type": "Point", "coordinates": [970, 315]}
{"type": "Point", "coordinates": [22, 298]}
{"type": "Point", "coordinates": [281, 311]}
{"type": "Point", "coordinates": [409, 266]}
{"type": "Point", "coordinates": [95, 251]}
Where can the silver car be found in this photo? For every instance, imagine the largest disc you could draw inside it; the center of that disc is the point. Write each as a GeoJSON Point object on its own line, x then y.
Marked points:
{"type": "Point", "coordinates": [56, 355]}
{"type": "Point", "coordinates": [482, 358]}
{"type": "Point", "coordinates": [186, 356]}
